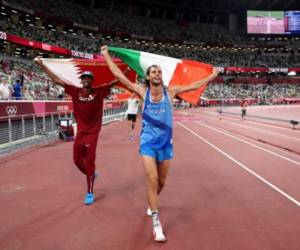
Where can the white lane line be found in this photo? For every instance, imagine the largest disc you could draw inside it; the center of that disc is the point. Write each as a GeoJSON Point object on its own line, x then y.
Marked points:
{"type": "Point", "coordinates": [277, 148]}
{"type": "Point", "coordinates": [268, 125]}
{"type": "Point", "coordinates": [242, 166]}
{"type": "Point", "coordinates": [291, 139]}
{"type": "Point", "coordinates": [250, 143]}
{"type": "Point", "coordinates": [259, 123]}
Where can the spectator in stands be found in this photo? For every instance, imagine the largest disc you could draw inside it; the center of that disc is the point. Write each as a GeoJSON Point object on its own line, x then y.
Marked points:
{"type": "Point", "coordinates": [17, 90]}
{"type": "Point", "coordinates": [21, 77]}
{"type": "Point", "coordinates": [4, 89]}
{"type": "Point", "coordinates": [88, 108]}
{"type": "Point", "coordinates": [61, 93]}
{"type": "Point", "coordinates": [156, 146]}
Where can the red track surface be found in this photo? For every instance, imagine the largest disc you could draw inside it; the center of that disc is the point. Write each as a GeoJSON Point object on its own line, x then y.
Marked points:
{"type": "Point", "coordinates": [226, 190]}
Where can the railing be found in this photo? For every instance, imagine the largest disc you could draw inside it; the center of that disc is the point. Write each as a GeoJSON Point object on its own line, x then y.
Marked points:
{"type": "Point", "coordinates": [13, 128]}
{"type": "Point", "coordinates": [24, 130]}
{"type": "Point", "coordinates": [252, 101]}
{"type": "Point", "coordinates": [114, 114]}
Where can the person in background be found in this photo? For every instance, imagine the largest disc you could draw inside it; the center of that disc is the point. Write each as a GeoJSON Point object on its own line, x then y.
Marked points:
{"type": "Point", "coordinates": [4, 89]}
{"type": "Point", "coordinates": [244, 105]}
{"type": "Point", "coordinates": [17, 90]}
{"type": "Point", "coordinates": [132, 110]}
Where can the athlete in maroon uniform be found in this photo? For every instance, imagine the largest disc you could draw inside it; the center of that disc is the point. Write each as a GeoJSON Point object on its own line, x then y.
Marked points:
{"type": "Point", "coordinates": [88, 105]}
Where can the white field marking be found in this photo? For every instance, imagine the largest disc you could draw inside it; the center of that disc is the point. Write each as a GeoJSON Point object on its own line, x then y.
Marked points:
{"type": "Point", "coordinates": [277, 148]}
{"type": "Point", "coordinates": [259, 123]}
{"type": "Point", "coordinates": [242, 166]}
{"type": "Point", "coordinates": [272, 126]}
{"type": "Point", "coordinates": [270, 145]}
{"type": "Point", "coordinates": [250, 143]}
{"type": "Point", "coordinates": [291, 139]}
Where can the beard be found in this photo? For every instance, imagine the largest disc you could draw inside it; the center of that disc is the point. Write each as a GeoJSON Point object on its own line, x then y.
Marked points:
{"type": "Point", "coordinates": [156, 83]}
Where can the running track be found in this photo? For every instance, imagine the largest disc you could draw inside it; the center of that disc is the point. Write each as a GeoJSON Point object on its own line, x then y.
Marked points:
{"type": "Point", "coordinates": [226, 190]}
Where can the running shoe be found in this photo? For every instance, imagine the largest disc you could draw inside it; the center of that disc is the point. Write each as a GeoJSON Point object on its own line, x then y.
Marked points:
{"type": "Point", "coordinates": [158, 234]}
{"type": "Point", "coordinates": [89, 199]}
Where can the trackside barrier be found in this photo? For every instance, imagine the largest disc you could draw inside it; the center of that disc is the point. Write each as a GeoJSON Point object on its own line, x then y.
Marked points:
{"type": "Point", "coordinates": [25, 130]}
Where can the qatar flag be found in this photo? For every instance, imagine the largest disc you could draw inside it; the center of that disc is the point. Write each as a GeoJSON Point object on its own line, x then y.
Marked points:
{"type": "Point", "coordinates": [70, 70]}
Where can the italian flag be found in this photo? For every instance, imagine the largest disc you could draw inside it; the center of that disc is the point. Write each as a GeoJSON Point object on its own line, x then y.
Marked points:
{"type": "Point", "coordinates": [175, 72]}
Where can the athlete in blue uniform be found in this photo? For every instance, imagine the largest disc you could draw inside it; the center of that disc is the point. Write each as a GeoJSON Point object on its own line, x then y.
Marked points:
{"type": "Point", "coordinates": [156, 145]}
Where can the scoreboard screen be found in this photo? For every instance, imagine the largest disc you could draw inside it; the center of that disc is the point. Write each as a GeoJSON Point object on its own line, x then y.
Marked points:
{"type": "Point", "coordinates": [273, 22]}
{"type": "Point", "coordinates": [292, 22]}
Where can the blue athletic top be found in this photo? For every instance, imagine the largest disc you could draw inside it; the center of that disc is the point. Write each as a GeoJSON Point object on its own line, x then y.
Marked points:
{"type": "Point", "coordinates": [157, 122]}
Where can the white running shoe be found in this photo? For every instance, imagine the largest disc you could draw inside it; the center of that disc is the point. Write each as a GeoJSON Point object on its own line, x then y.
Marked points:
{"type": "Point", "coordinates": [149, 212]}
{"type": "Point", "coordinates": [158, 234]}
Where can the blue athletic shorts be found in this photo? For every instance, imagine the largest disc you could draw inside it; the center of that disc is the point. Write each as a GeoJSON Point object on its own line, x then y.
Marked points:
{"type": "Point", "coordinates": [162, 154]}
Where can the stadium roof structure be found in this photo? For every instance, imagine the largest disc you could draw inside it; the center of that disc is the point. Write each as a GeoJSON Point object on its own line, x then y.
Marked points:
{"type": "Point", "coordinates": [208, 5]}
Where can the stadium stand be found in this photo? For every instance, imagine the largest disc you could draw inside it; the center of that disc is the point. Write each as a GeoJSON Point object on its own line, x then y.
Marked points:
{"type": "Point", "coordinates": [83, 28]}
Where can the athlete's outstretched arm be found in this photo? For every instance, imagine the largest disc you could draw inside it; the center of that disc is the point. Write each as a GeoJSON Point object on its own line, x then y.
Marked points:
{"type": "Point", "coordinates": [119, 74]}
{"type": "Point", "coordinates": [114, 82]}
{"type": "Point", "coordinates": [49, 73]}
{"type": "Point", "coordinates": [196, 85]}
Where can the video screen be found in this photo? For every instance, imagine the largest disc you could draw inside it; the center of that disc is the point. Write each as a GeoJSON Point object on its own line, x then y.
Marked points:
{"type": "Point", "coordinates": [265, 22]}
{"type": "Point", "coordinates": [273, 22]}
{"type": "Point", "coordinates": [292, 22]}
